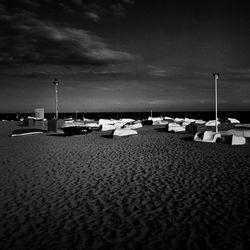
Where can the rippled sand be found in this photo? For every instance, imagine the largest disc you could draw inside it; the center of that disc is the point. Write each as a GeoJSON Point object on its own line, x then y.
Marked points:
{"type": "Point", "coordinates": [156, 190]}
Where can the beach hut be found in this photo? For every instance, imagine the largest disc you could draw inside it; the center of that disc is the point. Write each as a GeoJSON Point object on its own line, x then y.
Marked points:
{"type": "Point", "coordinates": [39, 116]}
{"type": "Point", "coordinates": [39, 113]}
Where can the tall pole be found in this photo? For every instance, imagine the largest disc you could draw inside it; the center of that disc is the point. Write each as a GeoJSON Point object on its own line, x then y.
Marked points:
{"type": "Point", "coordinates": [56, 83]}
{"type": "Point", "coordinates": [216, 77]}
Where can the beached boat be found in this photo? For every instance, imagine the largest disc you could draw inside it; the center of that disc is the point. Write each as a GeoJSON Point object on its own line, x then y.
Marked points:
{"type": "Point", "coordinates": [76, 129]}
{"type": "Point", "coordinates": [30, 131]}
{"type": "Point", "coordinates": [133, 125]}
{"type": "Point", "coordinates": [212, 123]}
{"type": "Point", "coordinates": [207, 136]}
{"type": "Point", "coordinates": [124, 132]}
{"type": "Point", "coordinates": [175, 127]}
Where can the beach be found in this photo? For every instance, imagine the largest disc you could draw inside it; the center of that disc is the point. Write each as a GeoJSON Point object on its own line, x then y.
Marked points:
{"type": "Point", "coordinates": [157, 190]}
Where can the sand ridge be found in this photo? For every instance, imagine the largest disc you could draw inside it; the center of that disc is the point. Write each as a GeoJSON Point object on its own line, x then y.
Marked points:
{"type": "Point", "coordinates": [156, 190]}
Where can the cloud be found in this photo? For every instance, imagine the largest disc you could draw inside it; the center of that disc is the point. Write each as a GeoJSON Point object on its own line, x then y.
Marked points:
{"type": "Point", "coordinates": [35, 75]}
{"type": "Point", "coordinates": [243, 73]}
{"type": "Point", "coordinates": [118, 10]}
{"type": "Point", "coordinates": [29, 38]}
{"type": "Point", "coordinates": [66, 8]}
{"type": "Point", "coordinates": [92, 10]}
{"type": "Point", "coordinates": [29, 3]}
{"type": "Point", "coordinates": [156, 71]}
{"type": "Point", "coordinates": [37, 41]}
{"type": "Point", "coordinates": [128, 1]}
{"type": "Point", "coordinates": [77, 2]}
{"type": "Point", "coordinates": [93, 16]}
{"type": "Point", "coordinates": [246, 101]}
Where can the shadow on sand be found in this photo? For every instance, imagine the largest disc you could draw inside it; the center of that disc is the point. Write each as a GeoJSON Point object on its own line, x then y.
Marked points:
{"type": "Point", "coordinates": [107, 136]}
{"type": "Point", "coordinates": [160, 129]}
{"type": "Point", "coordinates": [188, 138]}
{"type": "Point", "coordinates": [58, 135]}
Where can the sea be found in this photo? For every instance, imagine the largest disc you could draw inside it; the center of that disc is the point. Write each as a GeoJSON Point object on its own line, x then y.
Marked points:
{"type": "Point", "coordinates": [242, 116]}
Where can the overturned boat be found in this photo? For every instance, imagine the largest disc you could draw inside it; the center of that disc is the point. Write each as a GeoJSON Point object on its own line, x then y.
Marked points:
{"type": "Point", "coordinates": [30, 131]}
{"type": "Point", "coordinates": [124, 132]}
{"type": "Point", "coordinates": [76, 129]}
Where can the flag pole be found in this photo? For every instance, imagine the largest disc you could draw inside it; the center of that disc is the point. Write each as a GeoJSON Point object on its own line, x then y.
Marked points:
{"type": "Point", "coordinates": [216, 77]}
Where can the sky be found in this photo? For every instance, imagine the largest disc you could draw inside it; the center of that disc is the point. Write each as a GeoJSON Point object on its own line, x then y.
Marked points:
{"type": "Point", "coordinates": [124, 55]}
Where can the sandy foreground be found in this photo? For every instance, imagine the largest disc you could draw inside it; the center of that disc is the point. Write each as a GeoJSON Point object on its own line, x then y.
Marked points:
{"type": "Point", "coordinates": [156, 190]}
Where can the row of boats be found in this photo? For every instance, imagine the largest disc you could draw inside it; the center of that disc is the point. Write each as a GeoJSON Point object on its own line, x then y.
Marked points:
{"type": "Point", "coordinates": [127, 127]}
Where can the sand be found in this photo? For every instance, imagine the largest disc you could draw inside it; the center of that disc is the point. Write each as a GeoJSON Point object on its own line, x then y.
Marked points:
{"type": "Point", "coordinates": [156, 190]}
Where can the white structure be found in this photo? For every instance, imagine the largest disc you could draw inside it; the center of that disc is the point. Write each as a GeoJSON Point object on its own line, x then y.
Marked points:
{"type": "Point", "coordinates": [212, 123]}
{"type": "Point", "coordinates": [126, 120]}
{"type": "Point", "coordinates": [134, 125]}
{"type": "Point", "coordinates": [107, 127]}
{"type": "Point", "coordinates": [230, 137]}
{"type": "Point", "coordinates": [207, 136]}
{"type": "Point", "coordinates": [238, 140]}
{"type": "Point", "coordinates": [106, 122]}
{"type": "Point", "coordinates": [179, 120]}
{"type": "Point", "coordinates": [160, 122]}
{"type": "Point", "coordinates": [155, 118]}
{"type": "Point", "coordinates": [39, 113]}
{"type": "Point", "coordinates": [189, 120]}
{"type": "Point", "coordinates": [124, 132]}
{"type": "Point", "coordinates": [175, 127]}
{"type": "Point", "coordinates": [233, 120]}
{"type": "Point", "coordinates": [239, 132]}
{"type": "Point", "coordinates": [200, 122]}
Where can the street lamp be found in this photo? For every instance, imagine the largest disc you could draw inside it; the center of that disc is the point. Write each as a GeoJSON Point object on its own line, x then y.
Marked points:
{"type": "Point", "coordinates": [56, 83]}
{"type": "Point", "coordinates": [216, 77]}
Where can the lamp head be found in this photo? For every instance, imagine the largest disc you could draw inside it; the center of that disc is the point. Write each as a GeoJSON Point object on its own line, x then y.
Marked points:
{"type": "Point", "coordinates": [56, 82]}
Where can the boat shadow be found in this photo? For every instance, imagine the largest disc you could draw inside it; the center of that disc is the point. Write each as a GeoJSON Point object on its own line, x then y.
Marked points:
{"type": "Point", "coordinates": [188, 138]}
{"type": "Point", "coordinates": [160, 129]}
{"type": "Point", "coordinates": [57, 135]}
{"type": "Point", "coordinates": [107, 136]}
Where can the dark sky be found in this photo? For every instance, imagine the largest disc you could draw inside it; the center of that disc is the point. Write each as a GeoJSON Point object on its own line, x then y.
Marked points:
{"type": "Point", "coordinates": [124, 55]}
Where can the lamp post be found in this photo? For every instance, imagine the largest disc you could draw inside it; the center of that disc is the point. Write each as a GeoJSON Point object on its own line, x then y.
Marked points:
{"type": "Point", "coordinates": [56, 83]}
{"type": "Point", "coordinates": [216, 77]}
